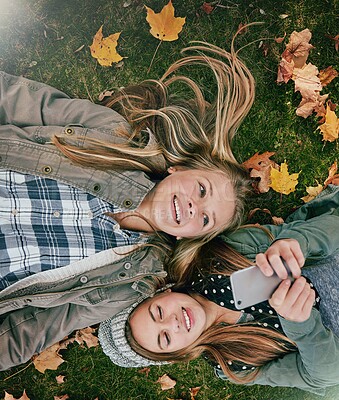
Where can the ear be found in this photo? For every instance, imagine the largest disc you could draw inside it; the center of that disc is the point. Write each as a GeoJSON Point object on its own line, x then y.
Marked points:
{"type": "Point", "coordinates": [170, 170]}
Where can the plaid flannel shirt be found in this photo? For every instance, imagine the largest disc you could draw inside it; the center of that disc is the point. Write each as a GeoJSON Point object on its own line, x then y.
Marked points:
{"type": "Point", "coordinates": [45, 224]}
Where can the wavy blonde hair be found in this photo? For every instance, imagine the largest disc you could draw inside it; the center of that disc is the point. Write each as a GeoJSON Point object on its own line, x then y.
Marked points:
{"type": "Point", "coordinates": [188, 130]}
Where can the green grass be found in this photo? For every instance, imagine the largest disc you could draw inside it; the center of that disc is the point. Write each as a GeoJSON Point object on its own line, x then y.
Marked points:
{"type": "Point", "coordinates": [38, 39]}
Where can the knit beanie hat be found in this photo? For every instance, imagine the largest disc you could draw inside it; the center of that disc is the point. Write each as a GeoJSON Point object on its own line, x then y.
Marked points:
{"type": "Point", "coordinates": [112, 337]}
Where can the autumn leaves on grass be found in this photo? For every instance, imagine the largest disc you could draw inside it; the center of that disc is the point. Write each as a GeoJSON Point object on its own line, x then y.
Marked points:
{"type": "Point", "coordinates": [164, 26]}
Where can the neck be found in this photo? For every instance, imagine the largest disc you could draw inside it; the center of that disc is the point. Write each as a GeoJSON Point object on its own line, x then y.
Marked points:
{"type": "Point", "coordinates": [215, 313]}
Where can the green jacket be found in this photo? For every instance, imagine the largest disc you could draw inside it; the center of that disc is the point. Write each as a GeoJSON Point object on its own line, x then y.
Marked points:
{"type": "Point", "coordinates": [316, 226]}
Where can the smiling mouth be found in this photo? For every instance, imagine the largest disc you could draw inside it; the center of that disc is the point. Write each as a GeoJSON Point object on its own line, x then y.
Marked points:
{"type": "Point", "coordinates": [177, 210]}
{"type": "Point", "coordinates": [187, 319]}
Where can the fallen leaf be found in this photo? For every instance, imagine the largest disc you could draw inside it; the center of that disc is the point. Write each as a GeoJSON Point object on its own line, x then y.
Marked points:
{"type": "Point", "coordinates": [313, 104]}
{"type": "Point", "coordinates": [283, 16]}
{"type": "Point", "coordinates": [280, 39]}
{"type": "Point", "coordinates": [104, 49]}
{"type": "Point", "coordinates": [330, 128]}
{"type": "Point", "coordinates": [86, 336]}
{"type": "Point", "coordinates": [64, 397]}
{"type": "Point", "coordinates": [327, 75]}
{"type": "Point", "coordinates": [257, 159]}
{"type": "Point", "coordinates": [282, 181]}
{"type": "Point", "coordinates": [48, 359]}
{"type": "Point", "coordinates": [164, 25]}
{"type": "Point", "coordinates": [166, 382]}
{"type": "Point", "coordinates": [194, 391]}
{"type": "Point", "coordinates": [207, 7]}
{"type": "Point", "coordinates": [312, 192]}
{"type": "Point", "coordinates": [336, 41]}
{"type": "Point", "coordinates": [145, 371]}
{"type": "Point", "coordinates": [242, 28]}
{"type": "Point", "coordinates": [285, 68]}
{"type": "Point", "coordinates": [300, 47]}
{"type": "Point", "coordinates": [307, 81]}
{"type": "Point", "coordinates": [60, 379]}
{"type": "Point", "coordinates": [11, 397]}
{"type": "Point", "coordinates": [332, 174]}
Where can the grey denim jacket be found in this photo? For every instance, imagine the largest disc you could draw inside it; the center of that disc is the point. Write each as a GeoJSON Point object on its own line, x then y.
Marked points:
{"type": "Point", "coordinates": [42, 309]}
{"type": "Point", "coordinates": [31, 113]}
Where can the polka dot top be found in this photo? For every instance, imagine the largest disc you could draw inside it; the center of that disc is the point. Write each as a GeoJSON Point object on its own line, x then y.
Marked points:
{"type": "Point", "coordinates": [217, 288]}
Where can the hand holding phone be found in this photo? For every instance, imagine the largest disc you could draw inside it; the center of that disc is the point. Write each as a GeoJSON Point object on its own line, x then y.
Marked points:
{"type": "Point", "coordinates": [250, 286]}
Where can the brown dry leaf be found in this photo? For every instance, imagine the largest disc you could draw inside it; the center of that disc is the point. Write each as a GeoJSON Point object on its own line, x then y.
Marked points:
{"type": "Point", "coordinates": [330, 128]}
{"type": "Point", "coordinates": [327, 75]}
{"type": "Point", "coordinates": [86, 336]}
{"type": "Point", "coordinates": [307, 81]}
{"type": "Point", "coordinates": [11, 397]}
{"type": "Point", "coordinates": [313, 104]}
{"type": "Point", "coordinates": [48, 359]}
{"type": "Point", "coordinates": [64, 397]}
{"type": "Point", "coordinates": [63, 344]}
{"type": "Point", "coordinates": [166, 382]}
{"type": "Point", "coordinates": [145, 371]}
{"type": "Point", "coordinates": [207, 7]}
{"type": "Point", "coordinates": [286, 66]}
{"type": "Point", "coordinates": [282, 181]}
{"type": "Point", "coordinates": [332, 174]}
{"type": "Point", "coordinates": [104, 49]}
{"type": "Point", "coordinates": [336, 41]}
{"type": "Point", "coordinates": [164, 25]}
{"type": "Point", "coordinates": [257, 160]}
{"type": "Point", "coordinates": [263, 184]}
{"type": "Point", "coordinates": [194, 391]}
{"type": "Point", "coordinates": [60, 379]}
{"type": "Point", "coordinates": [300, 47]}
{"type": "Point", "coordinates": [312, 192]}
{"type": "Point", "coordinates": [242, 28]}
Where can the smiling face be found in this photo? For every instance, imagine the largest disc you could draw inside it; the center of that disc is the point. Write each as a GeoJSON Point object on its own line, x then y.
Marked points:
{"type": "Point", "coordinates": [168, 322]}
{"type": "Point", "coordinates": [190, 203]}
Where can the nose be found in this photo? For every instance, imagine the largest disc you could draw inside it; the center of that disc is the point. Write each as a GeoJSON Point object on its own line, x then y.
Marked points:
{"type": "Point", "coordinates": [173, 323]}
{"type": "Point", "coordinates": [191, 209]}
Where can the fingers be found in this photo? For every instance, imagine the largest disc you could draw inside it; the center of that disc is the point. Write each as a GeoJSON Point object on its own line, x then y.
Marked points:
{"type": "Point", "coordinates": [293, 301]}
{"type": "Point", "coordinates": [284, 250]}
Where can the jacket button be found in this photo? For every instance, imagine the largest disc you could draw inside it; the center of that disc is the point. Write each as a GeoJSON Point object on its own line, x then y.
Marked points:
{"type": "Point", "coordinates": [47, 169]}
{"type": "Point", "coordinates": [83, 279]}
{"type": "Point", "coordinates": [127, 265]}
{"type": "Point", "coordinates": [96, 187]}
{"type": "Point", "coordinates": [128, 203]}
{"type": "Point", "coordinates": [69, 131]}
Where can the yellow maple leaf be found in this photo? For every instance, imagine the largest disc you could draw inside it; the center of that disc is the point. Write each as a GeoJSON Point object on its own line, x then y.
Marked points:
{"type": "Point", "coordinates": [164, 25]}
{"type": "Point", "coordinates": [282, 181]}
{"type": "Point", "coordinates": [313, 192]}
{"type": "Point", "coordinates": [330, 128]}
{"type": "Point", "coordinates": [104, 49]}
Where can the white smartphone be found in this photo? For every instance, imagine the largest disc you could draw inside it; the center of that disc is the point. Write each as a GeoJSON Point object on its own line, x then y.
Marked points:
{"type": "Point", "coordinates": [250, 286]}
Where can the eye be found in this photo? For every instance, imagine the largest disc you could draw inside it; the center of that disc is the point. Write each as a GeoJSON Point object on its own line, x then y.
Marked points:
{"type": "Point", "coordinates": [167, 339]}
{"type": "Point", "coordinates": [160, 313]}
{"type": "Point", "coordinates": [202, 189]}
{"type": "Point", "coordinates": [206, 220]}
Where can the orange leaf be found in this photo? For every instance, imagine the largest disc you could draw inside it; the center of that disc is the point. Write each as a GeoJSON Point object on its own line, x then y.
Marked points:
{"type": "Point", "coordinates": [48, 359]}
{"type": "Point", "coordinates": [330, 128]}
{"type": "Point", "coordinates": [257, 160]}
{"type": "Point", "coordinates": [207, 7]}
{"type": "Point", "coordinates": [104, 49]}
{"type": "Point", "coordinates": [332, 174]}
{"type": "Point", "coordinates": [194, 391]}
{"type": "Point", "coordinates": [60, 379]}
{"type": "Point", "coordinates": [166, 382]}
{"type": "Point", "coordinates": [327, 75]}
{"type": "Point", "coordinates": [336, 41]}
{"type": "Point", "coordinates": [282, 181]}
{"type": "Point", "coordinates": [164, 25]}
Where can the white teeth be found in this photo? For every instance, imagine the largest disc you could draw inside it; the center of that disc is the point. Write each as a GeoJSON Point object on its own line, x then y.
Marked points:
{"type": "Point", "coordinates": [177, 210]}
{"type": "Point", "coordinates": [187, 320]}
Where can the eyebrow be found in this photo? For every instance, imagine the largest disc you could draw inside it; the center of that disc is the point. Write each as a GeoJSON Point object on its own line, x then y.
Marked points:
{"type": "Point", "coordinates": [211, 195]}
{"type": "Point", "coordinates": [153, 319]}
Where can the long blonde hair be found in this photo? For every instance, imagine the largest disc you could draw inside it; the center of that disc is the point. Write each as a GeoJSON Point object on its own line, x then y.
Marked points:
{"type": "Point", "coordinates": [186, 129]}
{"type": "Point", "coordinates": [223, 344]}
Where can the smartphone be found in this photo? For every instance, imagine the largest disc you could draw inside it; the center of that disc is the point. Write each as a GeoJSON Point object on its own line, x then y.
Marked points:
{"type": "Point", "coordinates": [250, 286]}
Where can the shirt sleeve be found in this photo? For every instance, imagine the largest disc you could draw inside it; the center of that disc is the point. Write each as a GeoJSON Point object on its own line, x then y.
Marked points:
{"type": "Point", "coordinates": [24, 102]}
{"type": "Point", "coordinates": [313, 368]}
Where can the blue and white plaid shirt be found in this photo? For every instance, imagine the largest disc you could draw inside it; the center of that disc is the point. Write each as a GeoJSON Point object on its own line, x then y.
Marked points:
{"type": "Point", "coordinates": [45, 224]}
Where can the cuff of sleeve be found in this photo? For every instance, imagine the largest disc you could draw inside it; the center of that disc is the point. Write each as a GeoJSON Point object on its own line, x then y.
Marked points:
{"type": "Point", "coordinates": [296, 329]}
